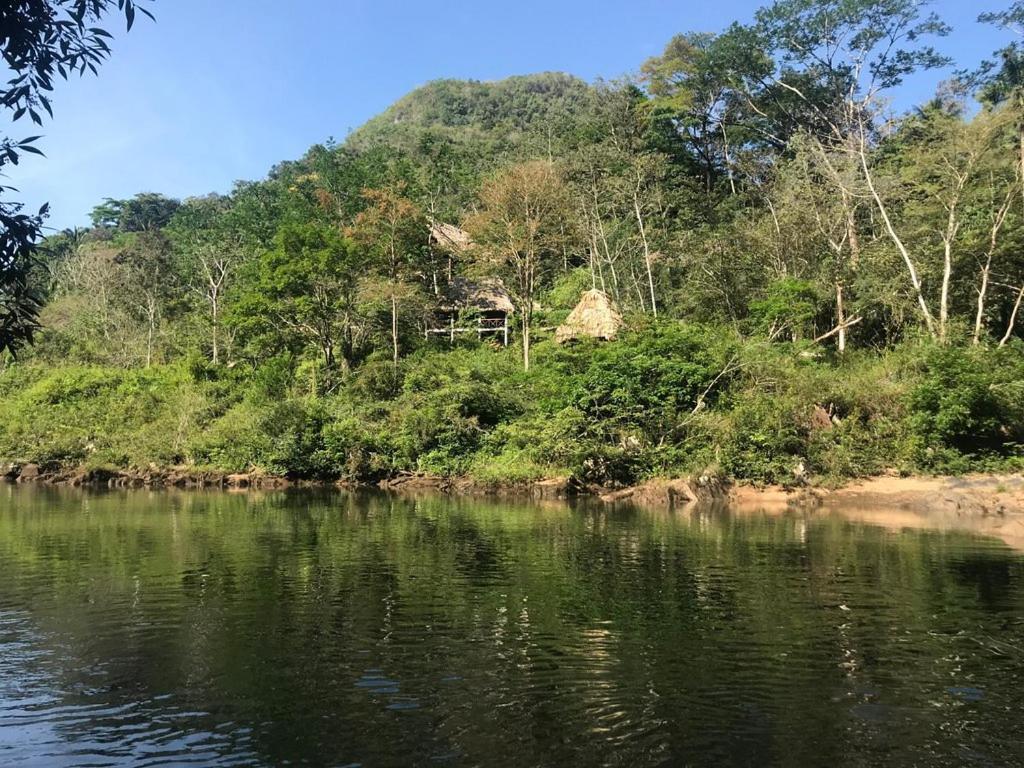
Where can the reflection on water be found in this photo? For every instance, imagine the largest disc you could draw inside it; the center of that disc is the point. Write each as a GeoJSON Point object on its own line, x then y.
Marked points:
{"type": "Point", "coordinates": [169, 629]}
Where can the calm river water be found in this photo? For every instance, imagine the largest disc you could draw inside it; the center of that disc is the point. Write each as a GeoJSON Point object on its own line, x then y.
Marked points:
{"type": "Point", "coordinates": [143, 629]}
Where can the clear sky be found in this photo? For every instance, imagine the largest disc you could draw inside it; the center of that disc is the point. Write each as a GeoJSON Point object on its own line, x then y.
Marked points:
{"type": "Point", "coordinates": [219, 90]}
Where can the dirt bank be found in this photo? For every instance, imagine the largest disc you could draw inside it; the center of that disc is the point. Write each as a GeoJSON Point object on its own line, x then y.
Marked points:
{"type": "Point", "coordinates": [965, 495]}
{"type": "Point", "coordinates": [136, 478]}
{"type": "Point", "coordinates": [968, 495]}
{"type": "Point", "coordinates": [985, 505]}
{"type": "Point", "coordinates": [187, 477]}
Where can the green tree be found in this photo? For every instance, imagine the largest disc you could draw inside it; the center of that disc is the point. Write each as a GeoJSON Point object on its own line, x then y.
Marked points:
{"type": "Point", "coordinates": [838, 58]}
{"type": "Point", "coordinates": [1003, 85]}
{"type": "Point", "coordinates": [305, 289]}
{"type": "Point", "coordinates": [211, 253]}
{"type": "Point", "coordinates": [691, 87]}
{"type": "Point", "coordinates": [392, 232]}
{"type": "Point", "coordinates": [40, 40]}
{"type": "Point", "coordinates": [148, 284]}
{"type": "Point", "coordinates": [145, 212]}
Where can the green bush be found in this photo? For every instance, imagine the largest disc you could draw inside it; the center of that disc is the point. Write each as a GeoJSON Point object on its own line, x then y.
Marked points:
{"type": "Point", "coordinates": [968, 405]}
{"type": "Point", "coordinates": [789, 307]}
{"type": "Point", "coordinates": [446, 406]}
{"type": "Point", "coordinates": [234, 442]}
{"type": "Point", "coordinates": [650, 378]}
{"type": "Point", "coordinates": [765, 439]}
{"type": "Point", "coordinates": [666, 399]}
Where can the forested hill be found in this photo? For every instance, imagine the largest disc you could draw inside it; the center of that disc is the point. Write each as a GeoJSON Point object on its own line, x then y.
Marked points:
{"type": "Point", "coordinates": [799, 283]}
{"type": "Point", "coordinates": [449, 134]}
{"type": "Point", "coordinates": [465, 110]}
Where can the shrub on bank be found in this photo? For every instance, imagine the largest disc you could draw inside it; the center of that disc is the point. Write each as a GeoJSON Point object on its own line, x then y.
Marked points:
{"type": "Point", "coordinates": [666, 399]}
{"type": "Point", "coordinates": [967, 408]}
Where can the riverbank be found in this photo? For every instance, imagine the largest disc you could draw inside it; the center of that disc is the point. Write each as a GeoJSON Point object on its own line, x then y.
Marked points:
{"type": "Point", "coordinates": [651, 405]}
{"type": "Point", "coordinates": [190, 478]}
{"type": "Point", "coordinates": [974, 494]}
{"type": "Point", "coordinates": [971, 494]}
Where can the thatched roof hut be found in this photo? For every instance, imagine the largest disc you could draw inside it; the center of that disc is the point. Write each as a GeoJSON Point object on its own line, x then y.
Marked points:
{"type": "Point", "coordinates": [448, 237]}
{"type": "Point", "coordinates": [595, 317]}
{"type": "Point", "coordinates": [485, 295]}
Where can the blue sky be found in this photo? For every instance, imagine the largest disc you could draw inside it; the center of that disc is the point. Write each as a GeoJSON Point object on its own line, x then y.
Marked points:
{"type": "Point", "coordinates": [219, 90]}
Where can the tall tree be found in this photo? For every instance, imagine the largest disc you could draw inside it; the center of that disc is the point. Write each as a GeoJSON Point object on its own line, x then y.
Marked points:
{"type": "Point", "coordinates": [211, 252]}
{"type": "Point", "coordinates": [392, 231]}
{"type": "Point", "coordinates": [148, 284]}
{"type": "Point", "coordinates": [520, 230]}
{"type": "Point", "coordinates": [1003, 85]}
{"type": "Point", "coordinates": [40, 40]}
{"type": "Point", "coordinates": [305, 289]}
{"type": "Point", "coordinates": [145, 212]}
{"type": "Point", "coordinates": [837, 58]}
{"type": "Point", "coordinates": [691, 87]}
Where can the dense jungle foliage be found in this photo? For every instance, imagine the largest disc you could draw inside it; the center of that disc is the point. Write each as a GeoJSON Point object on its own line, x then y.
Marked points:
{"type": "Point", "coordinates": [811, 285]}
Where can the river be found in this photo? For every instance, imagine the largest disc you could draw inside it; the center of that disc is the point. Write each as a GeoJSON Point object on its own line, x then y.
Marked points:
{"type": "Point", "coordinates": [294, 628]}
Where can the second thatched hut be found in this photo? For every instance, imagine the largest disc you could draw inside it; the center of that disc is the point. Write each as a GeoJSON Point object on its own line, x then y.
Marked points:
{"type": "Point", "coordinates": [594, 317]}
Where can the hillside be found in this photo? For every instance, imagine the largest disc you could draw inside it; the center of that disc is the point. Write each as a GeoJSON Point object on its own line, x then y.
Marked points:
{"type": "Point", "coordinates": [468, 110]}
{"type": "Point", "coordinates": [800, 302]}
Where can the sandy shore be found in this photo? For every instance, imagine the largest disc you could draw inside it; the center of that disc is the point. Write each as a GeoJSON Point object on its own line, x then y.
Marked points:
{"type": "Point", "coordinates": [967, 494]}
{"type": "Point", "coordinates": [985, 505]}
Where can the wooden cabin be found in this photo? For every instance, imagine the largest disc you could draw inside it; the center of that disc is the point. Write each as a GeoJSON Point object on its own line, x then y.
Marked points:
{"type": "Point", "coordinates": [482, 307]}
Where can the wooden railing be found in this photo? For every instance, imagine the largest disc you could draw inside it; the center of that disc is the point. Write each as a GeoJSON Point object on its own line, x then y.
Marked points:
{"type": "Point", "coordinates": [497, 326]}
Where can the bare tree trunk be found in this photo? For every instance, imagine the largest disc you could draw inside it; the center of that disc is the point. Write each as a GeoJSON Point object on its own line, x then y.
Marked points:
{"type": "Point", "coordinates": [851, 231]}
{"type": "Point", "coordinates": [728, 160]}
{"type": "Point", "coordinates": [947, 271]}
{"type": "Point", "coordinates": [151, 316]}
{"type": "Point", "coordinates": [647, 249]}
{"type": "Point", "coordinates": [840, 318]}
{"type": "Point", "coordinates": [527, 283]}
{"type": "Point", "coordinates": [565, 251]}
{"type": "Point", "coordinates": [1013, 318]}
{"type": "Point", "coordinates": [980, 313]}
{"type": "Point", "coordinates": [594, 261]}
{"type": "Point", "coordinates": [604, 242]}
{"type": "Point", "coordinates": [526, 341]}
{"type": "Point", "coordinates": [948, 238]}
{"type": "Point", "coordinates": [527, 318]}
{"type": "Point", "coordinates": [394, 329]}
{"type": "Point", "coordinates": [596, 273]}
{"type": "Point", "coordinates": [637, 288]}
{"type": "Point", "coordinates": [915, 280]}
{"type": "Point", "coordinates": [986, 271]}
{"type": "Point", "coordinates": [215, 311]}
{"type": "Point", "coordinates": [229, 347]}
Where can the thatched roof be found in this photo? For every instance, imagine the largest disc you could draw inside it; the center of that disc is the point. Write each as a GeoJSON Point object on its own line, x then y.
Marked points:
{"type": "Point", "coordinates": [485, 295]}
{"type": "Point", "coordinates": [595, 316]}
{"type": "Point", "coordinates": [449, 237]}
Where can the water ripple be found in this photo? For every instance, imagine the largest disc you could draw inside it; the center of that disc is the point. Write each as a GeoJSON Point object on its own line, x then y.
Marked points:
{"type": "Point", "coordinates": [290, 629]}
